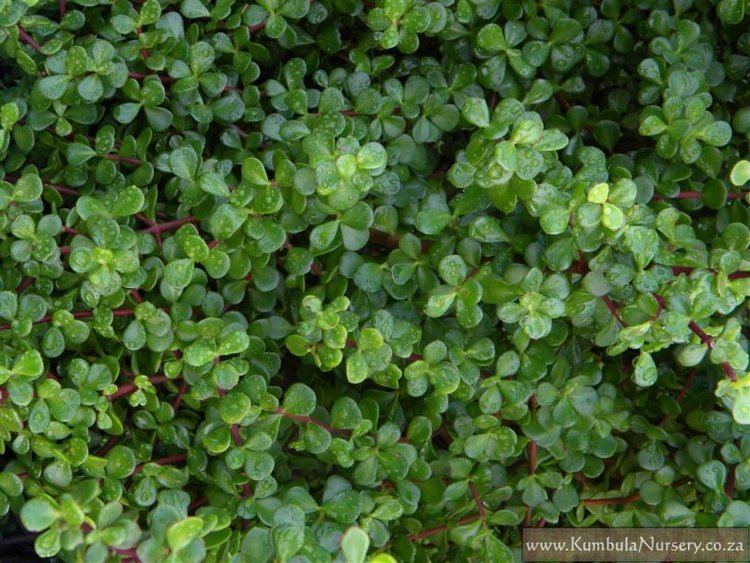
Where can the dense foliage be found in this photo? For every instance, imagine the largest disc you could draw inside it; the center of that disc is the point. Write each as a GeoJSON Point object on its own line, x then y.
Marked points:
{"type": "Point", "coordinates": [339, 280]}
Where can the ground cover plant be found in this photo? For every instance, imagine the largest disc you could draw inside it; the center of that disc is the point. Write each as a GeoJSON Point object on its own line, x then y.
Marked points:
{"type": "Point", "coordinates": [354, 281]}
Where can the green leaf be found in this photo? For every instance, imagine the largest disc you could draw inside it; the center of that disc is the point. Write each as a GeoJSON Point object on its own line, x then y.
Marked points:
{"type": "Point", "coordinates": [357, 369]}
{"type": "Point", "coordinates": [371, 156]}
{"type": "Point", "coordinates": [299, 399]}
{"type": "Point", "coordinates": [612, 217]}
{"type": "Point", "coordinates": [126, 113]}
{"type": "Point", "coordinates": [476, 112]}
{"type": "Point", "coordinates": [194, 9]}
{"type": "Point", "coordinates": [453, 270]}
{"type": "Point", "coordinates": [354, 545]}
{"type": "Point", "coordinates": [78, 154]}
{"type": "Point", "coordinates": [645, 374]}
{"type": "Point", "coordinates": [184, 163]}
{"type": "Point", "coordinates": [28, 364]}
{"type": "Point", "coordinates": [234, 407]}
{"type": "Point", "coordinates": [254, 172]}
{"type": "Point", "coordinates": [716, 134]}
{"type": "Point", "coordinates": [345, 413]}
{"type": "Point", "coordinates": [179, 272]}
{"type": "Point", "coordinates": [213, 183]}
{"type": "Point", "coordinates": [38, 514]}
{"type": "Point", "coordinates": [28, 188]}
{"type": "Point", "coordinates": [322, 236]}
{"type": "Point", "coordinates": [121, 462]}
{"type": "Point", "coordinates": [180, 534]}
{"type": "Point", "coordinates": [91, 88]}
{"type": "Point", "coordinates": [440, 301]}
{"type": "Point", "coordinates": [53, 87]}
{"type": "Point", "coordinates": [741, 406]}
{"type": "Point", "coordinates": [740, 173]}
{"type": "Point", "coordinates": [712, 475]}
{"type": "Point", "coordinates": [731, 11]}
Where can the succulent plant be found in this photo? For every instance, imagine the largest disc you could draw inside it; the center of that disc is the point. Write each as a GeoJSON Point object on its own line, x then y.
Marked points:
{"type": "Point", "coordinates": [382, 280]}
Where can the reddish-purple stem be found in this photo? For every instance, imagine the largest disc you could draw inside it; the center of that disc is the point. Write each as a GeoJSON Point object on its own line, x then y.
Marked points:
{"type": "Point", "coordinates": [62, 189]}
{"type": "Point", "coordinates": [169, 225]}
{"type": "Point", "coordinates": [26, 38]}
{"type": "Point", "coordinates": [611, 501]}
{"type": "Point", "coordinates": [693, 195]}
{"type": "Point", "coordinates": [130, 388]}
{"type": "Point", "coordinates": [24, 285]}
{"type": "Point", "coordinates": [167, 460]}
{"type": "Point", "coordinates": [477, 500]}
{"type": "Point", "coordinates": [141, 76]}
{"type": "Point", "coordinates": [111, 443]}
{"type": "Point", "coordinates": [308, 420]}
{"type": "Point", "coordinates": [442, 528]}
{"type": "Point", "coordinates": [181, 393]}
{"type": "Point", "coordinates": [77, 315]}
{"type": "Point", "coordinates": [240, 131]}
{"type": "Point", "coordinates": [613, 309]}
{"type": "Point", "coordinates": [127, 159]}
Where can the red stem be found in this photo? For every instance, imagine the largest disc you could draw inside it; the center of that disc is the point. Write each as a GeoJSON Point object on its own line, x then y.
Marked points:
{"type": "Point", "coordinates": [168, 460]}
{"type": "Point", "coordinates": [169, 225]}
{"type": "Point", "coordinates": [136, 296]}
{"type": "Point", "coordinates": [611, 501]}
{"type": "Point", "coordinates": [63, 6]}
{"type": "Point", "coordinates": [693, 195]}
{"type": "Point", "coordinates": [128, 553]}
{"type": "Point", "coordinates": [70, 230]}
{"type": "Point", "coordinates": [709, 343]}
{"type": "Point", "coordinates": [442, 528]}
{"type": "Point", "coordinates": [165, 79]}
{"type": "Point", "coordinates": [25, 283]}
{"type": "Point", "coordinates": [143, 219]}
{"type": "Point", "coordinates": [26, 38]}
{"type": "Point", "coordinates": [76, 315]}
{"type": "Point", "coordinates": [62, 189]}
{"type": "Point", "coordinates": [613, 309]}
{"type": "Point", "coordinates": [582, 268]}
{"type": "Point", "coordinates": [240, 131]}
{"type": "Point", "coordinates": [704, 338]}
{"type": "Point", "coordinates": [108, 446]}
{"type": "Point", "coordinates": [683, 391]}
{"type": "Point", "coordinates": [178, 400]}
{"type": "Point", "coordinates": [532, 459]}
{"type": "Point", "coordinates": [130, 388]}
{"type": "Point", "coordinates": [729, 490]}
{"type": "Point", "coordinates": [127, 159]}
{"type": "Point", "coordinates": [307, 420]}
{"type": "Point", "coordinates": [686, 386]}
{"type": "Point", "coordinates": [236, 436]}
{"type": "Point", "coordinates": [196, 504]}
{"type": "Point", "coordinates": [477, 500]}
